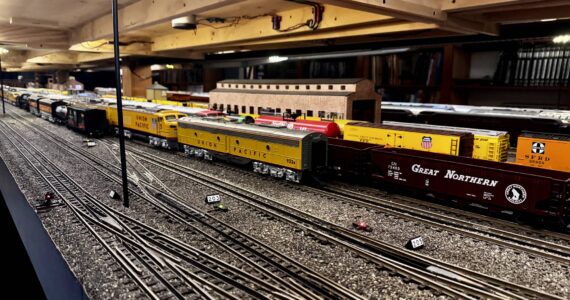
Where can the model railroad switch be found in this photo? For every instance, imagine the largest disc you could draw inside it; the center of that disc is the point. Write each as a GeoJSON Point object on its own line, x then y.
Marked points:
{"type": "Point", "coordinates": [361, 225]}
{"type": "Point", "coordinates": [48, 202]}
{"type": "Point", "coordinates": [415, 243]}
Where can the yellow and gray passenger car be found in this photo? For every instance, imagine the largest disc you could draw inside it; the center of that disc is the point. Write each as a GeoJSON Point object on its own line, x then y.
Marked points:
{"type": "Point", "coordinates": [279, 152]}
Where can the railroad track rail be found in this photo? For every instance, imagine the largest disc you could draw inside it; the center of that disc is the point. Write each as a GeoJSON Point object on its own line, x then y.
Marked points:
{"type": "Point", "coordinates": [275, 266]}
{"type": "Point", "coordinates": [416, 267]}
{"type": "Point", "coordinates": [534, 247]}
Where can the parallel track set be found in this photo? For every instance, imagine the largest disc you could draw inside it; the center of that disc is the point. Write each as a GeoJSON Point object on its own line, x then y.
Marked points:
{"type": "Point", "coordinates": [448, 279]}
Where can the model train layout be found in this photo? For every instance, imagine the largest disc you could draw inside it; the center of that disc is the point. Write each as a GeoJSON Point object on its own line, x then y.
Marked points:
{"type": "Point", "coordinates": [280, 150]}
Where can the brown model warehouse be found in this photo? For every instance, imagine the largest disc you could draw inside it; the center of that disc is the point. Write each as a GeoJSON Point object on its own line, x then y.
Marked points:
{"type": "Point", "coordinates": [285, 149]}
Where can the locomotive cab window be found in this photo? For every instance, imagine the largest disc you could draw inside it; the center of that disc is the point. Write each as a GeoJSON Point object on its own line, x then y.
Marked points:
{"type": "Point", "coordinates": [170, 117]}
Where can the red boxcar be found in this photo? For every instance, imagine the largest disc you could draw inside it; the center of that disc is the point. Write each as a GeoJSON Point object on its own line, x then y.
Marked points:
{"type": "Point", "coordinates": [496, 185]}
{"type": "Point", "coordinates": [330, 129]}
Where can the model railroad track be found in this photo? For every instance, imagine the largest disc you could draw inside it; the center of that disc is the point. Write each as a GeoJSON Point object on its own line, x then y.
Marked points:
{"type": "Point", "coordinates": [159, 253]}
{"type": "Point", "coordinates": [93, 219]}
{"type": "Point", "coordinates": [275, 266]}
{"type": "Point", "coordinates": [532, 246]}
{"type": "Point", "coordinates": [451, 280]}
{"type": "Point", "coordinates": [548, 245]}
{"type": "Point", "coordinates": [511, 231]}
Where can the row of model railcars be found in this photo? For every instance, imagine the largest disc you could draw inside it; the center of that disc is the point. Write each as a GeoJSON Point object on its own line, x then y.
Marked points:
{"type": "Point", "coordinates": [289, 154]}
{"type": "Point", "coordinates": [514, 121]}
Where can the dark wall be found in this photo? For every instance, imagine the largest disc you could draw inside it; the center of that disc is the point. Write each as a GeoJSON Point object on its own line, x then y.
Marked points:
{"type": "Point", "coordinates": [92, 80]}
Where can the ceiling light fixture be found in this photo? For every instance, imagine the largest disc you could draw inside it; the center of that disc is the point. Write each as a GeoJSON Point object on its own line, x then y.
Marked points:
{"type": "Point", "coordinates": [276, 59]}
{"type": "Point", "coordinates": [4, 51]}
{"type": "Point", "coordinates": [561, 39]}
{"type": "Point", "coordinates": [548, 20]}
{"type": "Point", "coordinates": [33, 22]}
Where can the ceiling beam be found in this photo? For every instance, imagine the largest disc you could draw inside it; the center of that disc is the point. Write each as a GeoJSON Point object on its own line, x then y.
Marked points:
{"type": "Point", "coordinates": [141, 14]}
{"type": "Point", "coordinates": [527, 15]}
{"type": "Point", "coordinates": [334, 20]}
{"type": "Point", "coordinates": [419, 11]}
{"type": "Point", "coordinates": [60, 58]}
{"type": "Point", "coordinates": [344, 33]}
{"type": "Point", "coordinates": [466, 5]}
{"type": "Point", "coordinates": [412, 10]}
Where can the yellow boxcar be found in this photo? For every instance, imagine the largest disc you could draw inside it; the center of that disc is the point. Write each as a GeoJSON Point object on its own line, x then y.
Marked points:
{"type": "Point", "coordinates": [281, 153]}
{"type": "Point", "coordinates": [157, 125]}
{"type": "Point", "coordinates": [487, 144]}
{"type": "Point", "coordinates": [437, 141]}
{"type": "Point", "coordinates": [542, 150]}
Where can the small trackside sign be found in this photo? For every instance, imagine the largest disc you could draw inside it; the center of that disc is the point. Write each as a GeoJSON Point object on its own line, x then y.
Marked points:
{"type": "Point", "coordinates": [211, 199]}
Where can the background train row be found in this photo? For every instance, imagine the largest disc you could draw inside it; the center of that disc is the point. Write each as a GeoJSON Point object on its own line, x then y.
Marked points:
{"type": "Point", "coordinates": [295, 154]}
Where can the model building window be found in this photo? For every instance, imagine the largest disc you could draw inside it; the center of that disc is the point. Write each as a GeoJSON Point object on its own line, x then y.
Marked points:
{"type": "Point", "coordinates": [251, 111]}
{"type": "Point", "coordinates": [299, 112]}
{"type": "Point", "coordinates": [259, 109]}
{"type": "Point", "coordinates": [236, 110]}
{"type": "Point", "coordinates": [243, 109]}
{"type": "Point", "coordinates": [223, 85]}
{"type": "Point", "coordinates": [330, 87]}
{"type": "Point", "coordinates": [276, 87]}
{"type": "Point", "coordinates": [308, 87]}
{"type": "Point", "coordinates": [259, 86]}
{"type": "Point", "coordinates": [268, 87]}
{"type": "Point", "coordinates": [215, 106]}
{"type": "Point", "coordinates": [251, 86]}
{"type": "Point", "coordinates": [321, 114]}
{"type": "Point", "coordinates": [288, 111]}
{"type": "Point", "coordinates": [278, 110]}
{"type": "Point", "coordinates": [318, 87]}
{"type": "Point", "coordinates": [309, 113]}
{"type": "Point", "coordinates": [243, 86]}
{"type": "Point", "coordinates": [221, 107]}
{"type": "Point", "coordinates": [296, 87]}
{"type": "Point", "coordinates": [343, 87]}
{"type": "Point", "coordinates": [286, 87]}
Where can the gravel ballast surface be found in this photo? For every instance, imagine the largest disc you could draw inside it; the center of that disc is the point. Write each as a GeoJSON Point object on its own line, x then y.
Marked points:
{"type": "Point", "coordinates": [336, 263]}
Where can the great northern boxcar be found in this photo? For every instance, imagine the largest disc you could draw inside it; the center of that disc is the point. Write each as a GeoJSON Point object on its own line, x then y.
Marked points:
{"type": "Point", "coordinates": [538, 192]}
{"type": "Point", "coordinates": [87, 119]}
{"type": "Point", "coordinates": [281, 153]}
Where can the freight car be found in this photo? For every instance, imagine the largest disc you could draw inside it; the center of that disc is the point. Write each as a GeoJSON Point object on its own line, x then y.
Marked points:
{"type": "Point", "coordinates": [157, 126]}
{"type": "Point", "coordinates": [87, 119]}
{"type": "Point", "coordinates": [281, 153]}
{"type": "Point", "coordinates": [487, 144]}
{"type": "Point", "coordinates": [547, 151]}
{"type": "Point", "coordinates": [330, 129]}
{"type": "Point", "coordinates": [34, 105]}
{"type": "Point", "coordinates": [496, 186]}
{"type": "Point", "coordinates": [439, 141]}
{"type": "Point", "coordinates": [513, 124]}
{"type": "Point", "coordinates": [48, 110]}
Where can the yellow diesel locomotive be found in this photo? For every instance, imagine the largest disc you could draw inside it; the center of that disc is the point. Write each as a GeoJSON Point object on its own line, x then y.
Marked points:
{"type": "Point", "coordinates": [156, 125]}
{"type": "Point", "coordinates": [278, 152]}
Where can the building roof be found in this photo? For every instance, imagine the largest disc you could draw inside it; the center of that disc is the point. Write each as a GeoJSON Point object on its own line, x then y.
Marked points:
{"type": "Point", "coordinates": [295, 81]}
{"type": "Point", "coordinates": [285, 92]}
